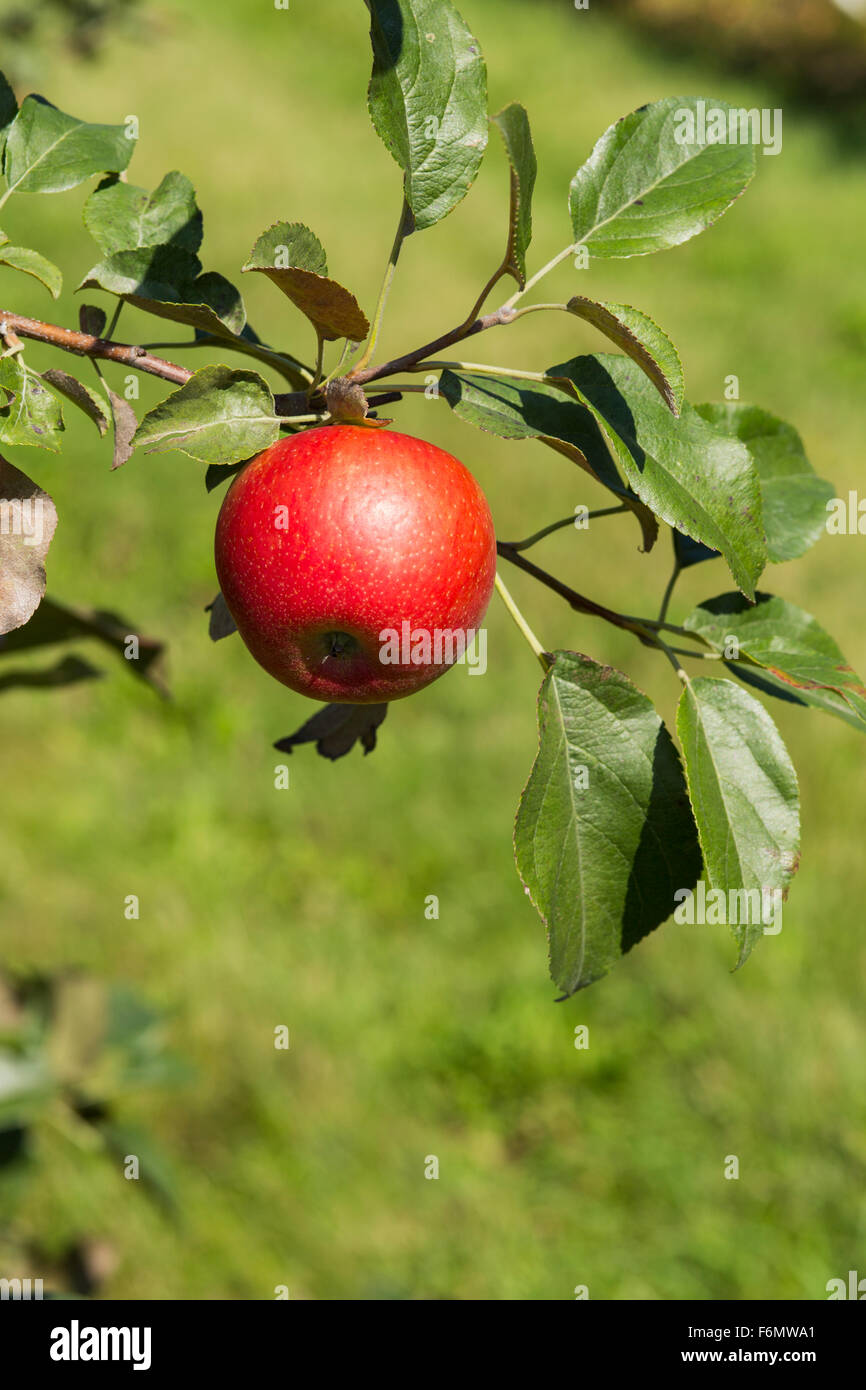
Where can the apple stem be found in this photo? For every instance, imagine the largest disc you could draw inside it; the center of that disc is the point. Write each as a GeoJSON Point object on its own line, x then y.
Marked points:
{"type": "Point", "coordinates": [521, 623]}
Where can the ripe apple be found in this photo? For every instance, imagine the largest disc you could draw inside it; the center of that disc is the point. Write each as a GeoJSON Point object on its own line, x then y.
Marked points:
{"type": "Point", "coordinates": [337, 539]}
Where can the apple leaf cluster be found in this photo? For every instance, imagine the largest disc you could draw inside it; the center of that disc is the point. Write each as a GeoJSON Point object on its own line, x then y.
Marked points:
{"type": "Point", "coordinates": [617, 820]}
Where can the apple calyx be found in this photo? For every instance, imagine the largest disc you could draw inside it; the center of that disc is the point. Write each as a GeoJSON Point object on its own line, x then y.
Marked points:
{"type": "Point", "coordinates": [346, 401]}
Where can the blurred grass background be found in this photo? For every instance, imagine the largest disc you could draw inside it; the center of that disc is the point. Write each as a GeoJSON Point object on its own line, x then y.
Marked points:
{"type": "Point", "coordinates": [412, 1037]}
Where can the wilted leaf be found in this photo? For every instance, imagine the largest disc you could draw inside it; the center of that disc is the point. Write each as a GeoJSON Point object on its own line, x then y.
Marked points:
{"type": "Point", "coordinates": [69, 670]}
{"type": "Point", "coordinates": [90, 402]}
{"type": "Point", "coordinates": [28, 520]}
{"type": "Point", "coordinates": [221, 623]}
{"type": "Point", "coordinates": [125, 425]}
{"type": "Point", "coordinates": [294, 259]}
{"type": "Point", "coordinates": [91, 319]}
{"type": "Point", "coordinates": [512, 123]}
{"type": "Point", "coordinates": [336, 729]}
{"type": "Point", "coordinates": [58, 622]}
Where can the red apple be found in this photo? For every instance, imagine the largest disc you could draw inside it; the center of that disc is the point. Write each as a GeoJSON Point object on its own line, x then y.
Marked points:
{"type": "Point", "coordinates": [335, 542]}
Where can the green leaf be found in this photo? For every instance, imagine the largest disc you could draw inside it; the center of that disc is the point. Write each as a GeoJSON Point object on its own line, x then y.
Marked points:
{"type": "Point", "coordinates": [165, 281]}
{"type": "Point", "coordinates": [795, 498]}
{"type": "Point", "coordinates": [48, 151]}
{"type": "Point", "coordinates": [695, 479]}
{"type": "Point", "coordinates": [514, 409]}
{"type": "Point", "coordinates": [604, 835]}
{"type": "Point", "coordinates": [28, 521]}
{"type": "Point", "coordinates": [20, 258]}
{"type": "Point", "coordinates": [121, 217]}
{"type": "Point", "coordinates": [512, 123]}
{"type": "Point", "coordinates": [294, 259]}
{"type": "Point", "coordinates": [428, 101]}
{"type": "Point", "coordinates": [93, 405]}
{"type": "Point", "coordinates": [32, 413]}
{"type": "Point", "coordinates": [59, 622]}
{"type": "Point", "coordinates": [792, 648]}
{"type": "Point", "coordinates": [743, 789]}
{"type": "Point", "coordinates": [8, 111]}
{"type": "Point", "coordinates": [221, 415]}
{"type": "Point", "coordinates": [641, 339]}
{"type": "Point", "coordinates": [642, 190]}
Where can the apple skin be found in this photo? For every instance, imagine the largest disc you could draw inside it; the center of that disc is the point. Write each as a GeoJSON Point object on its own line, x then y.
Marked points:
{"type": "Point", "coordinates": [381, 529]}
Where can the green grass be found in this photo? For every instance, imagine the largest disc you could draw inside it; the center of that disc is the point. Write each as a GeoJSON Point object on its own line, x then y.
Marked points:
{"type": "Point", "coordinates": [412, 1037]}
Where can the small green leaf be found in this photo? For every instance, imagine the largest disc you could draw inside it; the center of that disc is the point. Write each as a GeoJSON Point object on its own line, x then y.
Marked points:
{"type": "Point", "coordinates": [512, 123]}
{"type": "Point", "coordinates": [641, 339]}
{"type": "Point", "coordinates": [743, 789]}
{"type": "Point", "coordinates": [793, 650]}
{"type": "Point", "coordinates": [514, 409]}
{"type": "Point", "coordinates": [48, 151]}
{"type": "Point", "coordinates": [32, 413]}
{"type": "Point", "coordinates": [90, 402]}
{"type": "Point", "coordinates": [8, 112]}
{"type": "Point", "coordinates": [651, 182]}
{"type": "Point", "coordinates": [294, 259]}
{"type": "Point", "coordinates": [604, 835]}
{"type": "Point", "coordinates": [121, 217]}
{"type": "Point", "coordinates": [21, 258]}
{"type": "Point", "coordinates": [695, 479]}
{"type": "Point", "coordinates": [221, 415]}
{"type": "Point", "coordinates": [29, 520]}
{"type": "Point", "coordinates": [795, 498]}
{"type": "Point", "coordinates": [428, 101]}
{"type": "Point", "coordinates": [165, 281]}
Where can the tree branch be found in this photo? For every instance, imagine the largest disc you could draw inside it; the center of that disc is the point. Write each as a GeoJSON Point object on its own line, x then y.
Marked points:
{"type": "Point", "coordinates": [577, 601]}
{"type": "Point", "coordinates": [409, 359]}
{"type": "Point", "coordinates": [86, 345]}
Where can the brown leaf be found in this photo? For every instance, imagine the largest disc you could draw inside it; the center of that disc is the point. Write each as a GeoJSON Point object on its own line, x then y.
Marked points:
{"type": "Point", "coordinates": [28, 519]}
{"type": "Point", "coordinates": [125, 425]}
